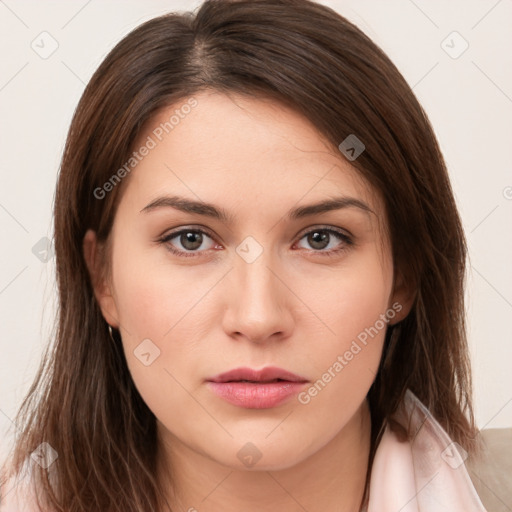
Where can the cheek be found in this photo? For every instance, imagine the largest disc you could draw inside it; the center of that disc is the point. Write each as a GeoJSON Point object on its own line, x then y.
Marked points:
{"type": "Point", "coordinates": [352, 301]}
{"type": "Point", "coordinates": [155, 307]}
{"type": "Point", "coordinates": [152, 294]}
{"type": "Point", "coordinates": [162, 312]}
{"type": "Point", "coordinates": [347, 353]}
{"type": "Point", "coordinates": [145, 302]}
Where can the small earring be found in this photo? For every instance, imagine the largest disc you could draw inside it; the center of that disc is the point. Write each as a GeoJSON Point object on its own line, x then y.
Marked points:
{"type": "Point", "coordinates": [110, 333]}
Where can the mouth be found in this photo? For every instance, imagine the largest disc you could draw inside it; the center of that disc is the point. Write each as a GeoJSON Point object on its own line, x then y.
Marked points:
{"type": "Point", "coordinates": [256, 389]}
{"type": "Point", "coordinates": [266, 375]}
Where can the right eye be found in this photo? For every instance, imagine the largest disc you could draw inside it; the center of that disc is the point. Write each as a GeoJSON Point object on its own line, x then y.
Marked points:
{"type": "Point", "coordinates": [190, 240]}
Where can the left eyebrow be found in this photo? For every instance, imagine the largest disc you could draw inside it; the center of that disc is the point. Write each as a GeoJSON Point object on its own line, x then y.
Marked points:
{"type": "Point", "coordinates": [337, 203]}
{"type": "Point", "coordinates": [201, 208]}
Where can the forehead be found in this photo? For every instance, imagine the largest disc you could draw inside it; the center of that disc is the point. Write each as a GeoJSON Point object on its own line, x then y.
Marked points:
{"type": "Point", "coordinates": [241, 150]}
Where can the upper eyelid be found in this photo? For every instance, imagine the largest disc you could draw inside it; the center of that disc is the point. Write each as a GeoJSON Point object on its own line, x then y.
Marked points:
{"type": "Point", "coordinates": [177, 231]}
{"type": "Point", "coordinates": [321, 227]}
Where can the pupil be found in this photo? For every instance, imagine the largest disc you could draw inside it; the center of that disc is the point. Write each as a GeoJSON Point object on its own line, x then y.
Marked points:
{"type": "Point", "coordinates": [319, 239]}
{"type": "Point", "coordinates": [191, 240]}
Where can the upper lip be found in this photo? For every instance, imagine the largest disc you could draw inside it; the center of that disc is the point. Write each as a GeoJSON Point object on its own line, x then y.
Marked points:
{"type": "Point", "coordinates": [267, 374]}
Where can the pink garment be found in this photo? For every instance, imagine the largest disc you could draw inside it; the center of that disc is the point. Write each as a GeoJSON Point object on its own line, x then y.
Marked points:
{"type": "Point", "coordinates": [426, 474]}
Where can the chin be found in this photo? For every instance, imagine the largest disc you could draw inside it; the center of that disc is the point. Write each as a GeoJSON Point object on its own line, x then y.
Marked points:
{"type": "Point", "coordinates": [263, 456]}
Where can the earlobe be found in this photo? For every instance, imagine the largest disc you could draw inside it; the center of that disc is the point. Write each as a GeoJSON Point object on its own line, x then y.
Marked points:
{"type": "Point", "coordinates": [402, 299]}
{"type": "Point", "coordinates": [102, 289]}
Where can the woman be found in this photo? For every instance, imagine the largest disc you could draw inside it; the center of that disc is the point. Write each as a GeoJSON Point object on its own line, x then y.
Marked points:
{"type": "Point", "coordinates": [260, 267]}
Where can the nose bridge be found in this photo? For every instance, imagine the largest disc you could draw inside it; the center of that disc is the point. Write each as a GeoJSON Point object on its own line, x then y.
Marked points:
{"type": "Point", "coordinates": [256, 298]}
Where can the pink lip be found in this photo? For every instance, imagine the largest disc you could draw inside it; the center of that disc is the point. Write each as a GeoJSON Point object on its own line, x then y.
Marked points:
{"type": "Point", "coordinates": [267, 388]}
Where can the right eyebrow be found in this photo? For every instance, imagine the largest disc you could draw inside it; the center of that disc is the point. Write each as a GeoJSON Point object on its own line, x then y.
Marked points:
{"type": "Point", "coordinates": [190, 206]}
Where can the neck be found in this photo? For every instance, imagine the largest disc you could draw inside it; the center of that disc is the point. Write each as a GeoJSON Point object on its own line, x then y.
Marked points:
{"type": "Point", "coordinates": [332, 480]}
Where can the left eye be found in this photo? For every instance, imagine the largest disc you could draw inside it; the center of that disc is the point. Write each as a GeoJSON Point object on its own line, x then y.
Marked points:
{"type": "Point", "coordinates": [320, 239]}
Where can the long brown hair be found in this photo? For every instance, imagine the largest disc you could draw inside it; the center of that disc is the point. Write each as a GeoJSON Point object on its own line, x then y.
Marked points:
{"type": "Point", "coordinates": [83, 401]}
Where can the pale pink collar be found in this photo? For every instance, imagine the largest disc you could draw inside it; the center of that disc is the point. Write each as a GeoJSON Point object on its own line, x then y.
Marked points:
{"type": "Point", "coordinates": [424, 474]}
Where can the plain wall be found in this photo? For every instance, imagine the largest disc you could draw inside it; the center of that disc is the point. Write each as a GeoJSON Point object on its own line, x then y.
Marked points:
{"type": "Point", "coordinates": [468, 100]}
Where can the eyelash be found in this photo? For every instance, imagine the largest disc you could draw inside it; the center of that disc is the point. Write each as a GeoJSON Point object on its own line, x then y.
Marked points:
{"type": "Point", "coordinates": [346, 240]}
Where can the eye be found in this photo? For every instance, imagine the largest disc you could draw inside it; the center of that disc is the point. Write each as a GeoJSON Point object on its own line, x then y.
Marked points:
{"type": "Point", "coordinates": [190, 240]}
{"type": "Point", "coordinates": [195, 241]}
{"type": "Point", "coordinates": [323, 240]}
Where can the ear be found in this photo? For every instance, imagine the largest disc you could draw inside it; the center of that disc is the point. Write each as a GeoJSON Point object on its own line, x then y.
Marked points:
{"type": "Point", "coordinates": [102, 288]}
{"type": "Point", "coordinates": [402, 299]}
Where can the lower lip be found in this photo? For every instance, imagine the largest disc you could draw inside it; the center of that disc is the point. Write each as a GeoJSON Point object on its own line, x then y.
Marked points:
{"type": "Point", "coordinates": [256, 396]}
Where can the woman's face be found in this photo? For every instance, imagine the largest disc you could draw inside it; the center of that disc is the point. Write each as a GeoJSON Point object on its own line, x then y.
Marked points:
{"type": "Point", "coordinates": [257, 278]}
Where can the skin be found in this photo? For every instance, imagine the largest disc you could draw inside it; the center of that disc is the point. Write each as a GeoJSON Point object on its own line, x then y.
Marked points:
{"type": "Point", "coordinates": [293, 307]}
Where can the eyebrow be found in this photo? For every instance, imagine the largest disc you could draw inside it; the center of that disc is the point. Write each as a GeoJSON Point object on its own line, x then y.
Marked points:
{"type": "Point", "coordinates": [209, 210]}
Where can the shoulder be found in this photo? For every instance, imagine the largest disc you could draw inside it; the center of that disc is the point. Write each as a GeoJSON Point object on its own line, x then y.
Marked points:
{"type": "Point", "coordinates": [491, 471]}
{"type": "Point", "coordinates": [17, 495]}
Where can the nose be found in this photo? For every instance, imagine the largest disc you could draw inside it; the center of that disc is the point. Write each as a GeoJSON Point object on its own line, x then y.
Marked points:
{"type": "Point", "coordinates": [258, 302]}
